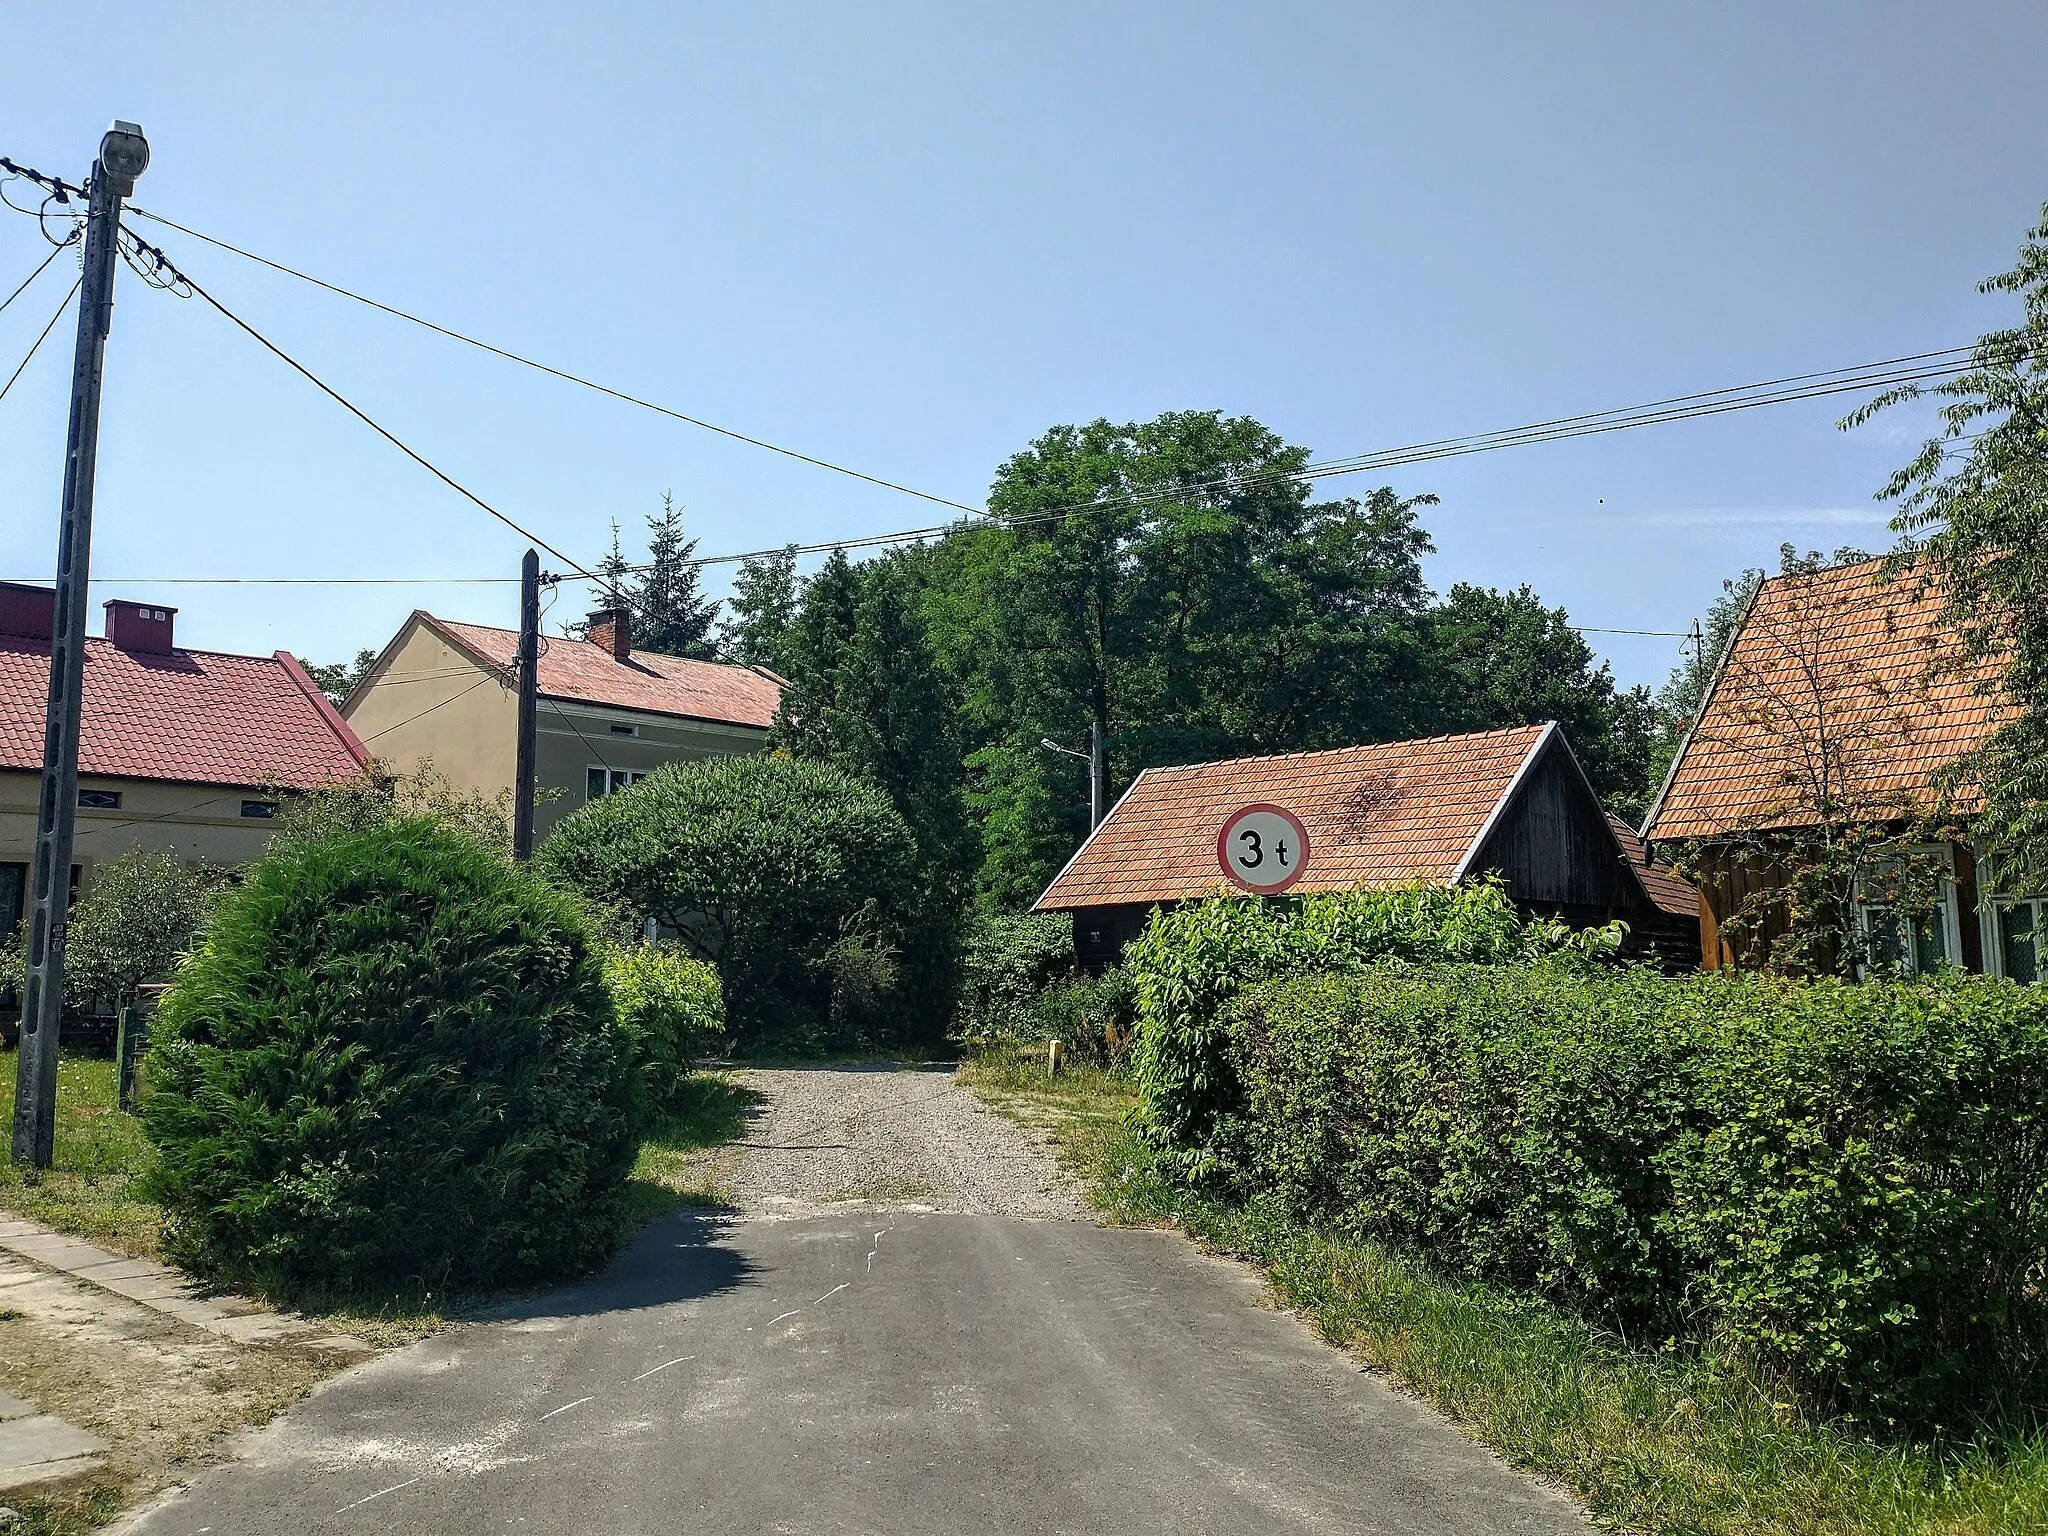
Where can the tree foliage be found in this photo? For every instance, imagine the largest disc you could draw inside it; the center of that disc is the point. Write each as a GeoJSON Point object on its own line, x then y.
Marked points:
{"type": "Point", "coordinates": [791, 877]}
{"type": "Point", "coordinates": [140, 913]}
{"type": "Point", "coordinates": [1973, 513]}
{"type": "Point", "coordinates": [664, 595]}
{"type": "Point", "coordinates": [338, 679]}
{"type": "Point", "coordinates": [766, 595]}
{"type": "Point", "coordinates": [392, 1061]}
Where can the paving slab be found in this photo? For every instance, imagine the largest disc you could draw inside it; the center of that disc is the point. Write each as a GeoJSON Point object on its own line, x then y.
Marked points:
{"type": "Point", "coordinates": [42, 1448]}
{"type": "Point", "coordinates": [149, 1284]}
{"type": "Point", "coordinates": [12, 1407]}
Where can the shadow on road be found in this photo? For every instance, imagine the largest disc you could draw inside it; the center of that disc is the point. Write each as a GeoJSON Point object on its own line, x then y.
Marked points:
{"type": "Point", "coordinates": [681, 1257]}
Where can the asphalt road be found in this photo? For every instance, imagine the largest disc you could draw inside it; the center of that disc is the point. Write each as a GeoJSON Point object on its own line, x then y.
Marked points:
{"type": "Point", "coordinates": [871, 1371]}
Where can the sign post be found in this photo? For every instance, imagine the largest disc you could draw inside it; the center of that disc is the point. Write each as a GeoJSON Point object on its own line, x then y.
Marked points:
{"type": "Point", "coordinates": [1263, 848]}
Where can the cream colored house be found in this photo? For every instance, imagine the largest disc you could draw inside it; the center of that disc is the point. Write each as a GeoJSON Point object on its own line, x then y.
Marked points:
{"type": "Point", "coordinates": [180, 751]}
{"type": "Point", "coordinates": [608, 714]}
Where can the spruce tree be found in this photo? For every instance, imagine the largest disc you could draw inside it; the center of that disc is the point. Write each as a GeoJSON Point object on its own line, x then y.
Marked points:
{"type": "Point", "coordinates": [671, 615]}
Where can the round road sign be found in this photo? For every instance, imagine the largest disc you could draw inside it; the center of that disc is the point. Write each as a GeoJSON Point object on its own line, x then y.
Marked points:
{"type": "Point", "coordinates": [1263, 848]}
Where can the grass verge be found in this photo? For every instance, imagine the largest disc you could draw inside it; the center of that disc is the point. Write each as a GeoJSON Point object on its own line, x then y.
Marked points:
{"type": "Point", "coordinates": [92, 1190]}
{"type": "Point", "coordinates": [679, 1163]}
{"type": "Point", "coordinates": [1652, 1441]}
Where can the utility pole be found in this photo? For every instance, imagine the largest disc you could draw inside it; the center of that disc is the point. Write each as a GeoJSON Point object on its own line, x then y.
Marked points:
{"type": "Point", "coordinates": [124, 155]}
{"type": "Point", "coordinates": [1098, 774]}
{"type": "Point", "coordinates": [529, 704]}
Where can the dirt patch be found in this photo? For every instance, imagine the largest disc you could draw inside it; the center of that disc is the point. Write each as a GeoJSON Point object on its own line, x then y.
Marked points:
{"type": "Point", "coordinates": [166, 1398]}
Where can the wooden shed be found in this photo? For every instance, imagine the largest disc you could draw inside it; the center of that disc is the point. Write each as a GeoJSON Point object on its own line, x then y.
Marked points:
{"type": "Point", "coordinates": [1445, 808]}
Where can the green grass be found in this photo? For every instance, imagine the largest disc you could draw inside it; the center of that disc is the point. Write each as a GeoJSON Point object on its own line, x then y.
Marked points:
{"type": "Point", "coordinates": [672, 1170]}
{"type": "Point", "coordinates": [1650, 1440]}
{"type": "Point", "coordinates": [91, 1188]}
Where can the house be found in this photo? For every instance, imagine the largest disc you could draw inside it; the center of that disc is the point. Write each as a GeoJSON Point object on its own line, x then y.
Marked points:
{"type": "Point", "coordinates": [1446, 808]}
{"type": "Point", "coordinates": [180, 751]}
{"type": "Point", "coordinates": [608, 714]}
{"type": "Point", "coordinates": [1841, 699]}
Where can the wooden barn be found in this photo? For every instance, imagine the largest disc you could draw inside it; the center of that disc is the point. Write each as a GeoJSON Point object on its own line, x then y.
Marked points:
{"type": "Point", "coordinates": [1445, 808]}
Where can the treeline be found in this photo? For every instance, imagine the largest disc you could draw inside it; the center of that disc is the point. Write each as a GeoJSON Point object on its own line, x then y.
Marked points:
{"type": "Point", "coordinates": [1172, 584]}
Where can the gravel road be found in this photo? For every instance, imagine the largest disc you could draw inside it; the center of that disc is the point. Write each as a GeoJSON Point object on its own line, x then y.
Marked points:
{"type": "Point", "coordinates": [907, 1140]}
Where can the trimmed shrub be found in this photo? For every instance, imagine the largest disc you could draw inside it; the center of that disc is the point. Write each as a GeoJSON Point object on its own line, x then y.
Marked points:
{"type": "Point", "coordinates": [1847, 1183]}
{"type": "Point", "coordinates": [392, 1061]}
{"type": "Point", "coordinates": [762, 865]}
{"type": "Point", "coordinates": [671, 1006]}
{"type": "Point", "coordinates": [1190, 961]}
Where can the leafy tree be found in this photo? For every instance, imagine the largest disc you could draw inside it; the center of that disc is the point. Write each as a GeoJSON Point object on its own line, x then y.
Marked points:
{"type": "Point", "coordinates": [867, 695]}
{"type": "Point", "coordinates": [765, 598]}
{"type": "Point", "coordinates": [1503, 659]}
{"type": "Point", "coordinates": [1974, 503]}
{"type": "Point", "coordinates": [391, 1062]}
{"type": "Point", "coordinates": [338, 679]}
{"type": "Point", "coordinates": [139, 915]}
{"type": "Point", "coordinates": [790, 877]}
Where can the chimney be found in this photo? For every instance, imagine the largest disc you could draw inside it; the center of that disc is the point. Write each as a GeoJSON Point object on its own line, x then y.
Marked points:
{"type": "Point", "coordinates": [142, 627]}
{"type": "Point", "coordinates": [611, 628]}
{"type": "Point", "coordinates": [27, 612]}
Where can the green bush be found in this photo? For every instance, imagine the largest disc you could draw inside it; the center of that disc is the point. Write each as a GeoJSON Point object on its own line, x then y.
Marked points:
{"type": "Point", "coordinates": [671, 1006]}
{"type": "Point", "coordinates": [790, 877]}
{"type": "Point", "coordinates": [392, 1061]}
{"type": "Point", "coordinates": [1092, 1016]}
{"type": "Point", "coordinates": [139, 914]}
{"type": "Point", "coordinates": [1009, 960]}
{"type": "Point", "coordinates": [1848, 1184]}
{"type": "Point", "coordinates": [1190, 961]}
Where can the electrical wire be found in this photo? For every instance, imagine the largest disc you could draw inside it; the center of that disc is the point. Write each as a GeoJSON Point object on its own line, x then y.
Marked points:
{"type": "Point", "coordinates": [37, 345]}
{"type": "Point", "coordinates": [356, 411]}
{"type": "Point", "coordinates": [559, 373]}
{"type": "Point", "coordinates": [40, 267]}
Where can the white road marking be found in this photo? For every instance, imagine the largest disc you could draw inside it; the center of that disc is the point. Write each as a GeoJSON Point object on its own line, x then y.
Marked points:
{"type": "Point", "coordinates": [563, 1409]}
{"type": "Point", "coordinates": [679, 1359]}
{"type": "Point", "coordinates": [774, 1320]}
{"type": "Point", "coordinates": [833, 1292]}
{"type": "Point", "coordinates": [359, 1503]}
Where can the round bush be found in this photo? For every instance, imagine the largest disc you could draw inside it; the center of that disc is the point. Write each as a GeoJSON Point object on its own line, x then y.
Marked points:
{"type": "Point", "coordinates": [392, 1062]}
{"type": "Point", "coordinates": [791, 877]}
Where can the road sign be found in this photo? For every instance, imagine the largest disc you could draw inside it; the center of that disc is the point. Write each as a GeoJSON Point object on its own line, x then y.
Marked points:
{"type": "Point", "coordinates": [1263, 848]}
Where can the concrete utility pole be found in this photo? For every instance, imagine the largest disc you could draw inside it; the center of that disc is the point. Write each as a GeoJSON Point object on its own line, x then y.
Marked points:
{"type": "Point", "coordinates": [529, 704]}
{"type": "Point", "coordinates": [124, 155]}
{"type": "Point", "coordinates": [1098, 771]}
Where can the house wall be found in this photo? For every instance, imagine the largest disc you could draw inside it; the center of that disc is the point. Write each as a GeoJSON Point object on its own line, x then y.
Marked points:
{"type": "Point", "coordinates": [1555, 848]}
{"type": "Point", "coordinates": [572, 739]}
{"type": "Point", "coordinates": [196, 823]}
{"type": "Point", "coordinates": [429, 700]}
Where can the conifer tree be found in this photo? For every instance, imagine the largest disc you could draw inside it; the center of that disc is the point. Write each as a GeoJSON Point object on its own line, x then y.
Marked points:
{"type": "Point", "coordinates": [765, 597]}
{"type": "Point", "coordinates": [671, 615]}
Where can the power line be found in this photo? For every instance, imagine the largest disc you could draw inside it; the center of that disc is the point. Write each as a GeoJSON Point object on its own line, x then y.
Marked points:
{"type": "Point", "coordinates": [40, 267]}
{"type": "Point", "coordinates": [553, 372]}
{"type": "Point", "coordinates": [37, 345]}
{"type": "Point", "coordinates": [354, 410]}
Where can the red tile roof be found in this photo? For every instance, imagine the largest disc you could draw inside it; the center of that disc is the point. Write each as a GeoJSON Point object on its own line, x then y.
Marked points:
{"type": "Point", "coordinates": [192, 717]}
{"type": "Point", "coordinates": [580, 672]}
{"type": "Point", "coordinates": [1668, 890]}
{"type": "Point", "coordinates": [1375, 815]}
{"type": "Point", "coordinates": [1834, 671]}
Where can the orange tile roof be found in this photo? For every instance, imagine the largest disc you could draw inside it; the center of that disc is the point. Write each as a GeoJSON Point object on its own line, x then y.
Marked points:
{"type": "Point", "coordinates": [1832, 674]}
{"type": "Point", "coordinates": [1375, 815]}
{"type": "Point", "coordinates": [189, 717]}
{"type": "Point", "coordinates": [1668, 890]}
{"type": "Point", "coordinates": [580, 672]}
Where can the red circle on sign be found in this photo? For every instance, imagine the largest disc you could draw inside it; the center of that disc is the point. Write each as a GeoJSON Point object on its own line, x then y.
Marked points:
{"type": "Point", "coordinates": [1256, 813]}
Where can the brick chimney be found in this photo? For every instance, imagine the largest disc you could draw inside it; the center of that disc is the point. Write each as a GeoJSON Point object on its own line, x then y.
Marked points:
{"type": "Point", "coordinates": [611, 628]}
{"type": "Point", "coordinates": [27, 612]}
{"type": "Point", "coordinates": [143, 627]}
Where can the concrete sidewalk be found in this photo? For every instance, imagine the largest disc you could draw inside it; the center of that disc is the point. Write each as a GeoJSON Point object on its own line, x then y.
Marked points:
{"type": "Point", "coordinates": [166, 1290]}
{"type": "Point", "coordinates": [40, 1448]}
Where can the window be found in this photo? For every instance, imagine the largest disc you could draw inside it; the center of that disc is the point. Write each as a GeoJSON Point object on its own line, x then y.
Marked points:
{"type": "Point", "coordinates": [625, 730]}
{"type": "Point", "coordinates": [13, 897]}
{"type": "Point", "coordinates": [259, 810]}
{"type": "Point", "coordinates": [599, 782]}
{"type": "Point", "coordinates": [1920, 946]}
{"type": "Point", "coordinates": [2017, 932]}
{"type": "Point", "coordinates": [99, 799]}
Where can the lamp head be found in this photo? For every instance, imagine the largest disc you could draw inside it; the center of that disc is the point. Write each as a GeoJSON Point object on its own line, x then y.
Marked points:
{"type": "Point", "coordinates": [124, 155]}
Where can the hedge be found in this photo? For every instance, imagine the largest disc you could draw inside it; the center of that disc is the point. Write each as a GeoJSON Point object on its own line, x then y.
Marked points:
{"type": "Point", "coordinates": [1847, 1184]}
{"type": "Point", "coordinates": [1190, 961]}
{"type": "Point", "coordinates": [392, 1062]}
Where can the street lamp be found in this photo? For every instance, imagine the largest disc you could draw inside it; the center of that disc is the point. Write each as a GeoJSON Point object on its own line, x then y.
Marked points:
{"type": "Point", "coordinates": [124, 155]}
{"type": "Point", "coordinates": [1094, 778]}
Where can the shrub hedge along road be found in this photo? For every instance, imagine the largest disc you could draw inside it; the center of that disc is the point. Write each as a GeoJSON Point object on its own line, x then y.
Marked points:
{"type": "Point", "coordinates": [1849, 1184]}
{"type": "Point", "coordinates": [392, 1062]}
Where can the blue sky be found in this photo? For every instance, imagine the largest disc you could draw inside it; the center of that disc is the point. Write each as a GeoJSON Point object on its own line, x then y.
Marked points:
{"type": "Point", "coordinates": [911, 237]}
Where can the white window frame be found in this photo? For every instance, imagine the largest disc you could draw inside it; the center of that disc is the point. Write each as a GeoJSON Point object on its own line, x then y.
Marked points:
{"type": "Point", "coordinates": [1948, 907]}
{"type": "Point", "coordinates": [1989, 900]}
{"type": "Point", "coordinates": [615, 779]}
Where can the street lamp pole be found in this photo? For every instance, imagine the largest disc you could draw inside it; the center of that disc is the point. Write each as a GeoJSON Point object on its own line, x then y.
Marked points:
{"type": "Point", "coordinates": [124, 155]}
{"type": "Point", "coordinates": [1098, 776]}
